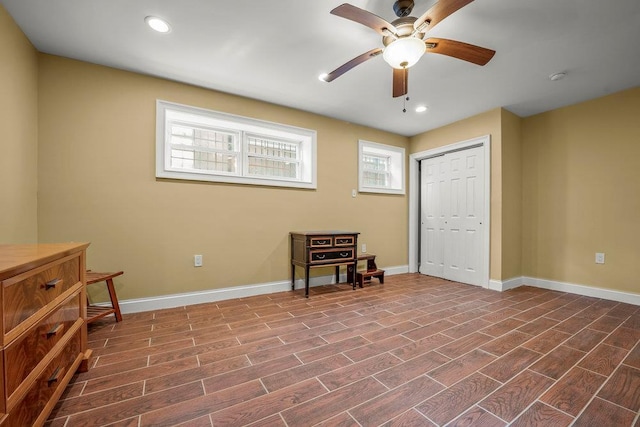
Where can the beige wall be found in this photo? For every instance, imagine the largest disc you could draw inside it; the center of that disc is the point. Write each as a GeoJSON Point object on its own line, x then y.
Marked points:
{"type": "Point", "coordinates": [97, 183]}
{"type": "Point", "coordinates": [511, 195]}
{"type": "Point", "coordinates": [581, 193]}
{"type": "Point", "coordinates": [488, 123]}
{"type": "Point", "coordinates": [19, 141]}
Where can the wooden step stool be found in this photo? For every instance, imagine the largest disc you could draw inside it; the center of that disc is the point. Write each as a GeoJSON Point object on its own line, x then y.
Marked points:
{"type": "Point", "coordinates": [95, 312]}
{"type": "Point", "coordinates": [363, 276]}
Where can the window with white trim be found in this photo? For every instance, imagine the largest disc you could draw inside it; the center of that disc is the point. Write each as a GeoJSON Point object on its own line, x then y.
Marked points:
{"type": "Point", "coordinates": [380, 168]}
{"type": "Point", "coordinates": [198, 144]}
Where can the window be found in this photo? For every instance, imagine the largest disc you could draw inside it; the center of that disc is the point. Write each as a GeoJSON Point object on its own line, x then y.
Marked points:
{"type": "Point", "coordinates": [204, 145]}
{"type": "Point", "coordinates": [380, 168]}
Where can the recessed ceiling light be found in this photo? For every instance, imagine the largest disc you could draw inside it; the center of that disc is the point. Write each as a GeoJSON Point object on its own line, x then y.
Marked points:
{"type": "Point", "coordinates": [557, 76]}
{"type": "Point", "coordinates": [323, 77]}
{"type": "Point", "coordinates": [158, 24]}
{"type": "Point", "coordinates": [421, 108]}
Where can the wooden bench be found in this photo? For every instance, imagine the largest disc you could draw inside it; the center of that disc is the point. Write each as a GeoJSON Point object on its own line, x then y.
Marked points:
{"type": "Point", "coordinates": [371, 271]}
{"type": "Point", "coordinates": [95, 312]}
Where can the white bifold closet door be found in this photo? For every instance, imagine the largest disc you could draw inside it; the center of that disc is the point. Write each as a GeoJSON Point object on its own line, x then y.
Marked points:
{"type": "Point", "coordinates": [451, 215]}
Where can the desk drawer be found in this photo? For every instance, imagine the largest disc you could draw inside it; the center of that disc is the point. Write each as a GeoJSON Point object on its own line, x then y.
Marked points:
{"type": "Point", "coordinates": [25, 294]}
{"type": "Point", "coordinates": [22, 356]}
{"type": "Point", "coordinates": [321, 241]}
{"type": "Point", "coordinates": [331, 255]}
{"type": "Point", "coordinates": [52, 381]}
{"type": "Point", "coordinates": [344, 241]}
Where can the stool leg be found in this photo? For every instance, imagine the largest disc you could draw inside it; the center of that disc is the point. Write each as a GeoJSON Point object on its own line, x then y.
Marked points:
{"type": "Point", "coordinates": [114, 299]}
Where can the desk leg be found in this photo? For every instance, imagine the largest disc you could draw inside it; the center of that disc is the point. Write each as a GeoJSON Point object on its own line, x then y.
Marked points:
{"type": "Point", "coordinates": [306, 281]}
{"type": "Point", "coordinates": [293, 277]}
{"type": "Point", "coordinates": [355, 269]}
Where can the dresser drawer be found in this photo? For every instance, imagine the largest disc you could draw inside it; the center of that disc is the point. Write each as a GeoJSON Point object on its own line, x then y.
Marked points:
{"type": "Point", "coordinates": [331, 255]}
{"type": "Point", "coordinates": [321, 241]}
{"type": "Point", "coordinates": [51, 382]}
{"type": "Point", "coordinates": [344, 241]}
{"type": "Point", "coordinates": [22, 356]}
{"type": "Point", "coordinates": [26, 294]}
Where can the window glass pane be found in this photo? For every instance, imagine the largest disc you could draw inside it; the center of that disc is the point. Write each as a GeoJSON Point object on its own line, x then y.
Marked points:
{"type": "Point", "coordinates": [375, 163]}
{"type": "Point", "coordinates": [208, 150]}
{"type": "Point", "coordinates": [218, 162]}
{"type": "Point", "coordinates": [376, 179]}
{"type": "Point", "coordinates": [271, 148]}
{"type": "Point", "coordinates": [197, 160]}
{"type": "Point", "coordinates": [272, 158]}
{"type": "Point", "coordinates": [182, 159]}
{"type": "Point", "coordinates": [181, 131]}
{"type": "Point", "coordinates": [181, 140]}
{"type": "Point", "coordinates": [376, 170]}
{"type": "Point", "coordinates": [272, 168]}
{"type": "Point", "coordinates": [215, 140]}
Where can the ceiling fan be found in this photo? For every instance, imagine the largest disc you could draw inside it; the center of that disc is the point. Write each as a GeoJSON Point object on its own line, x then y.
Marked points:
{"type": "Point", "coordinates": [404, 42]}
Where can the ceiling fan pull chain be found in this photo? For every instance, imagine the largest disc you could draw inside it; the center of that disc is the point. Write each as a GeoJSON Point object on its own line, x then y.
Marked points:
{"type": "Point", "coordinates": [404, 104]}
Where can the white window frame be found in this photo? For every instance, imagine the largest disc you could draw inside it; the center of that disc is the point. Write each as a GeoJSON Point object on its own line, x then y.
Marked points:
{"type": "Point", "coordinates": [167, 112]}
{"type": "Point", "coordinates": [396, 157]}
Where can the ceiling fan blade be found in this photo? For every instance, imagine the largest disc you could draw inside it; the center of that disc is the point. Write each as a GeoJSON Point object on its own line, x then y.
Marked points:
{"type": "Point", "coordinates": [400, 82]}
{"type": "Point", "coordinates": [365, 18]}
{"type": "Point", "coordinates": [466, 52]}
{"type": "Point", "coordinates": [349, 65]}
{"type": "Point", "coordinates": [438, 12]}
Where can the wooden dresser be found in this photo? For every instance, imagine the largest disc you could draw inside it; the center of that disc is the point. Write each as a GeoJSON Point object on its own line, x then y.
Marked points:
{"type": "Point", "coordinates": [44, 333]}
{"type": "Point", "coordinates": [322, 249]}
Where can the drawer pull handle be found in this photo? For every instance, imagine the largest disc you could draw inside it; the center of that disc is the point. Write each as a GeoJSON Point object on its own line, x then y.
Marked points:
{"type": "Point", "coordinates": [323, 242]}
{"type": "Point", "coordinates": [344, 241]}
{"type": "Point", "coordinates": [55, 377]}
{"type": "Point", "coordinates": [54, 331]}
{"type": "Point", "coordinates": [344, 254]}
{"type": "Point", "coordinates": [320, 256]}
{"type": "Point", "coordinates": [51, 284]}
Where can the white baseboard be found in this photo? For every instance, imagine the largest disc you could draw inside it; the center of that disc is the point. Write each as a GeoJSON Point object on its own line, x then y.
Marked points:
{"type": "Point", "coordinates": [505, 285]}
{"type": "Point", "coordinates": [588, 291]}
{"type": "Point", "coordinates": [572, 288]}
{"type": "Point", "coordinates": [189, 298]}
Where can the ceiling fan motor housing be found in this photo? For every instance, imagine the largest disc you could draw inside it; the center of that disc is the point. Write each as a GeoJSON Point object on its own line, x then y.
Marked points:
{"type": "Point", "coordinates": [405, 29]}
{"type": "Point", "coordinates": [403, 8]}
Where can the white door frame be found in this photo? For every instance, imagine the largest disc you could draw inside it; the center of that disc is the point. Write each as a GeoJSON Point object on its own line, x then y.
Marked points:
{"type": "Point", "coordinates": [414, 198]}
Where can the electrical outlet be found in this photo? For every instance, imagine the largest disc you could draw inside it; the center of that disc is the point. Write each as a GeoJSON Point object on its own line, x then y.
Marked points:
{"type": "Point", "coordinates": [197, 260]}
{"type": "Point", "coordinates": [354, 193]}
{"type": "Point", "coordinates": [364, 248]}
{"type": "Point", "coordinates": [599, 258]}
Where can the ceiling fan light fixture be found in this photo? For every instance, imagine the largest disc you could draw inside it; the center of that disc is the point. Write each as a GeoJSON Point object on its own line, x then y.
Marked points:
{"type": "Point", "coordinates": [421, 108]}
{"type": "Point", "coordinates": [404, 52]}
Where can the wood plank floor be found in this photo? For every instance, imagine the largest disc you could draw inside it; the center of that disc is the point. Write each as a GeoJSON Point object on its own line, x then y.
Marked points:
{"type": "Point", "coordinates": [416, 351]}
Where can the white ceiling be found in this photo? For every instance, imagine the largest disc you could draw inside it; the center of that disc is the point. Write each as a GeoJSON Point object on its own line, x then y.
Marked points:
{"type": "Point", "coordinates": [274, 50]}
